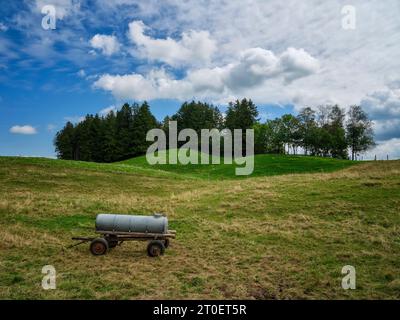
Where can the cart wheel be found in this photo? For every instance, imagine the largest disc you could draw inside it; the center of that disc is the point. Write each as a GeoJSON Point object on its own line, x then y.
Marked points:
{"type": "Point", "coordinates": [155, 248]}
{"type": "Point", "coordinates": [99, 246]}
{"type": "Point", "coordinates": [166, 243]}
{"type": "Point", "coordinates": [111, 240]}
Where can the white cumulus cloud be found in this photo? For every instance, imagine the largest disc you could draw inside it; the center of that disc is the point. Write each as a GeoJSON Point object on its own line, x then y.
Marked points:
{"type": "Point", "coordinates": [257, 64]}
{"type": "Point", "coordinates": [156, 84]}
{"type": "Point", "coordinates": [296, 64]}
{"type": "Point", "coordinates": [107, 44]}
{"type": "Point", "coordinates": [25, 129]}
{"type": "Point", "coordinates": [253, 68]}
{"type": "Point", "coordinates": [194, 47]}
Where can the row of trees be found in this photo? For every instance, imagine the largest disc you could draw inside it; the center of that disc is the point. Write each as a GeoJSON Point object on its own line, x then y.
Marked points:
{"type": "Point", "coordinates": [122, 134]}
{"type": "Point", "coordinates": [324, 132]}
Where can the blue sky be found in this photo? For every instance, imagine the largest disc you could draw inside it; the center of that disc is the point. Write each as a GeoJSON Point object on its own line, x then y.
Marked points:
{"type": "Point", "coordinates": [103, 53]}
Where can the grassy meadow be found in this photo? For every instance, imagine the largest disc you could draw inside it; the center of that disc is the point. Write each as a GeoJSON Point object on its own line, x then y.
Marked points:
{"type": "Point", "coordinates": [264, 165]}
{"type": "Point", "coordinates": [283, 233]}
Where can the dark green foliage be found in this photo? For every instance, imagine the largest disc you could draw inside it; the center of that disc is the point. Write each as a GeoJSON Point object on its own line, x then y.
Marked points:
{"type": "Point", "coordinates": [124, 123]}
{"type": "Point", "coordinates": [109, 129]}
{"type": "Point", "coordinates": [197, 116]}
{"type": "Point", "coordinates": [322, 133]}
{"type": "Point", "coordinates": [82, 141]}
{"type": "Point", "coordinates": [275, 141]}
{"type": "Point", "coordinates": [290, 132]}
{"type": "Point", "coordinates": [114, 137]}
{"type": "Point", "coordinates": [359, 131]}
{"type": "Point", "coordinates": [241, 115]}
{"type": "Point", "coordinates": [261, 134]}
{"type": "Point", "coordinates": [143, 121]}
{"type": "Point", "coordinates": [306, 118]}
{"type": "Point", "coordinates": [64, 142]}
{"type": "Point", "coordinates": [338, 133]}
{"type": "Point", "coordinates": [325, 133]}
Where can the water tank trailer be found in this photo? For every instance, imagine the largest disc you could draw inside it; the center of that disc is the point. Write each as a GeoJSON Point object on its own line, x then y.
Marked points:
{"type": "Point", "coordinates": [118, 228]}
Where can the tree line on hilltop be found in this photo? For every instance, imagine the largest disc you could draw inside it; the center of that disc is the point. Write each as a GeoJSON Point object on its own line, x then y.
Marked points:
{"type": "Point", "coordinates": [326, 132]}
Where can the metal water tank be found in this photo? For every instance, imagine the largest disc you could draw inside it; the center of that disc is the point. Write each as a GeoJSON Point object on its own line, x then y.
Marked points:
{"type": "Point", "coordinates": [156, 223]}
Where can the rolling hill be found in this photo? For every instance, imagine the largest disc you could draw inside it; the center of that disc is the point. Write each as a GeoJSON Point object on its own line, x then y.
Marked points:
{"type": "Point", "coordinates": [264, 165]}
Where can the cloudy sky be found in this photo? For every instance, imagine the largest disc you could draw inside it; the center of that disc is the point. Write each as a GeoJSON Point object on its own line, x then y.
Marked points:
{"type": "Point", "coordinates": [283, 54]}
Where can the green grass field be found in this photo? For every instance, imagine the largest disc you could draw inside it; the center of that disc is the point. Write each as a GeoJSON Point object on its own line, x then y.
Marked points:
{"type": "Point", "coordinates": [264, 165]}
{"type": "Point", "coordinates": [283, 233]}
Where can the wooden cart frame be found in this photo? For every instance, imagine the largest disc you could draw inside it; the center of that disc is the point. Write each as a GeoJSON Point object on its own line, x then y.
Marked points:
{"type": "Point", "coordinates": [158, 242]}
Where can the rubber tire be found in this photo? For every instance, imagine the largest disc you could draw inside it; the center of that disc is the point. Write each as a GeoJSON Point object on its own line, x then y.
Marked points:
{"type": "Point", "coordinates": [155, 248]}
{"type": "Point", "coordinates": [111, 240]}
{"type": "Point", "coordinates": [99, 242]}
{"type": "Point", "coordinates": [166, 243]}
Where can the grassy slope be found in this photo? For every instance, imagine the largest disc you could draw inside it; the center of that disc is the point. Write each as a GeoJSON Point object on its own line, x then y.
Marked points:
{"type": "Point", "coordinates": [283, 236]}
{"type": "Point", "coordinates": [264, 165]}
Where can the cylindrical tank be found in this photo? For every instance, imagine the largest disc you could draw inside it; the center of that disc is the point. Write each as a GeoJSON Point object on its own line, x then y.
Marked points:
{"type": "Point", "coordinates": [156, 223]}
